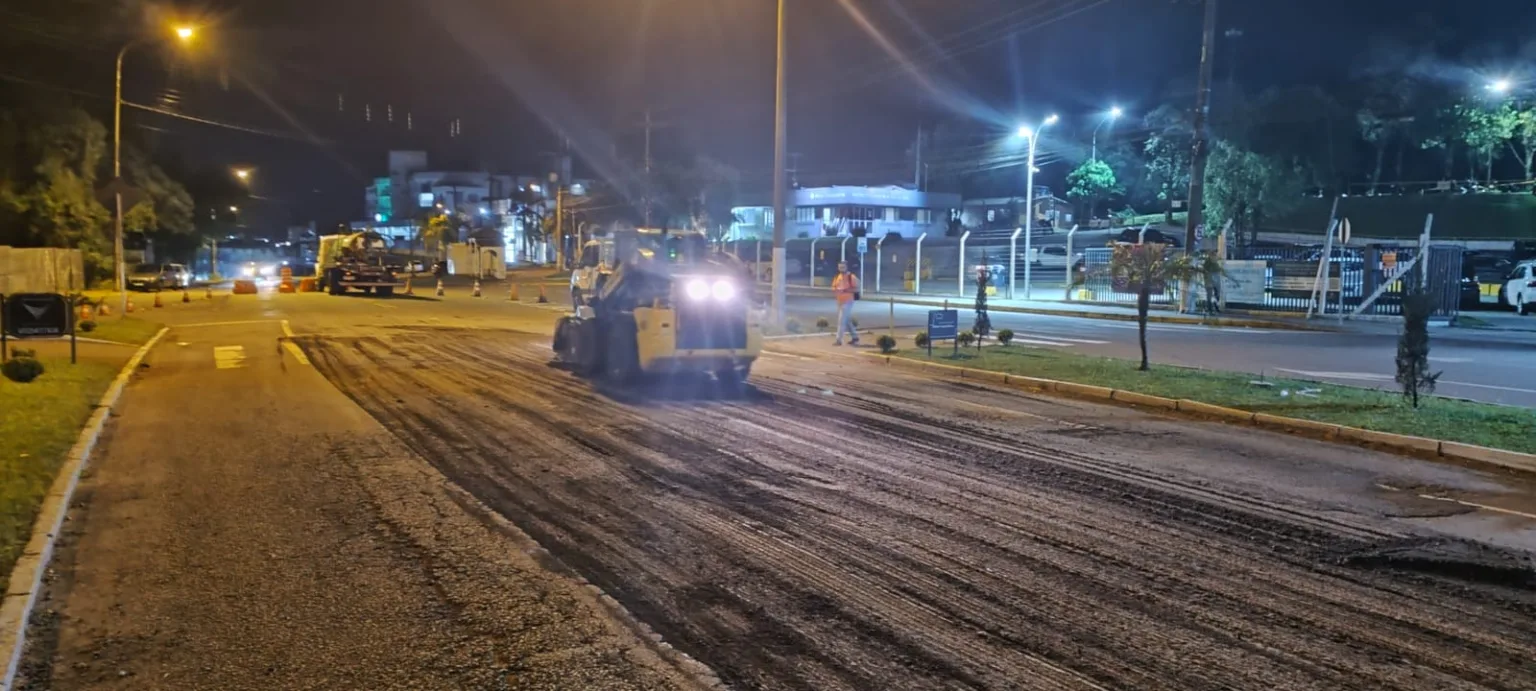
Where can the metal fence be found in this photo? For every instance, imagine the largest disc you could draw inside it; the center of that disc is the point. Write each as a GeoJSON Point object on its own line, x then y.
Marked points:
{"type": "Point", "coordinates": [1284, 279]}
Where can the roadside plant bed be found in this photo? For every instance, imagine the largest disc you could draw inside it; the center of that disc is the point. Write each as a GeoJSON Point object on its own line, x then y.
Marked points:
{"type": "Point", "coordinates": [125, 330]}
{"type": "Point", "coordinates": [42, 418]}
{"type": "Point", "coordinates": [1495, 426]}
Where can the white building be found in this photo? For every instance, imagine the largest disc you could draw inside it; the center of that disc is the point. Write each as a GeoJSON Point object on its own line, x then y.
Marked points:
{"type": "Point", "coordinates": [843, 210]}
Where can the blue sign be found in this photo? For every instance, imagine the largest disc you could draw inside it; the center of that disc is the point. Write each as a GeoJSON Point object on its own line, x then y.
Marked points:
{"type": "Point", "coordinates": [863, 245]}
{"type": "Point", "coordinates": [943, 325]}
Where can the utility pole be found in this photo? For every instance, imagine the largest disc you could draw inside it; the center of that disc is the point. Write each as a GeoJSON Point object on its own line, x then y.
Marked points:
{"type": "Point", "coordinates": [780, 131]}
{"type": "Point", "coordinates": [794, 170]}
{"type": "Point", "coordinates": [917, 163]}
{"type": "Point", "coordinates": [1201, 137]}
{"type": "Point", "coordinates": [560, 225]}
{"type": "Point", "coordinates": [646, 198]}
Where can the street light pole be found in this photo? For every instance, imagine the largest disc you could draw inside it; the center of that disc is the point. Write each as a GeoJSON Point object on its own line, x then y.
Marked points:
{"type": "Point", "coordinates": [1029, 197]}
{"type": "Point", "coordinates": [1113, 114]}
{"type": "Point", "coordinates": [779, 147]}
{"type": "Point", "coordinates": [120, 278]}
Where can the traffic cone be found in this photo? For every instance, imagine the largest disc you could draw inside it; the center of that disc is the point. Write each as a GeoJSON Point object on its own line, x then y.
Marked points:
{"type": "Point", "coordinates": [157, 301]}
{"type": "Point", "coordinates": [439, 287]}
{"type": "Point", "coordinates": [85, 311]}
{"type": "Point", "coordinates": [184, 297]}
{"type": "Point", "coordinates": [208, 293]}
{"type": "Point", "coordinates": [542, 297]}
{"type": "Point", "coordinates": [105, 310]}
{"type": "Point", "coordinates": [129, 307]}
{"type": "Point", "coordinates": [408, 290]}
{"type": "Point", "coordinates": [477, 289]}
{"type": "Point", "coordinates": [512, 293]}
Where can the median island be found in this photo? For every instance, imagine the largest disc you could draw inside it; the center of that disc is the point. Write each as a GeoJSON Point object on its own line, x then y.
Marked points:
{"type": "Point", "coordinates": [1481, 424]}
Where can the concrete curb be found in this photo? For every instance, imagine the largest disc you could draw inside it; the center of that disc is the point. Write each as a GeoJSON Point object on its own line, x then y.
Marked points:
{"type": "Point", "coordinates": [1399, 443]}
{"type": "Point", "coordinates": [27, 576]}
{"type": "Point", "coordinates": [1087, 314]}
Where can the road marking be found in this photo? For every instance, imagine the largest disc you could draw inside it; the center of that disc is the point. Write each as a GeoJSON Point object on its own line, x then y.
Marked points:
{"type": "Point", "coordinates": [287, 330]}
{"type": "Point", "coordinates": [1178, 327]}
{"type": "Point", "coordinates": [1449, 360]}
{"type": "Point", "coordinates": [376, 303]}
{"type": "Point", "coordinates": [1367, 376]}
{"type": "Point", "coordinates": [1452, 500]}
{"type": "Point", "coordinates": [297, 352]}
{"type": "Point", "coordinates": [229, 357]}
{"type": "Point", "coordinates": [1351, 376]}
{"type": "Point", "coordinates": [251, 321]}
{"type": "Point", "coordinates": [1054, 337]}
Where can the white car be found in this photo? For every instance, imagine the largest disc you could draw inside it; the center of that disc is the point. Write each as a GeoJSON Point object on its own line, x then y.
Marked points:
{"type": "Point", "coordinates": [1519, 289]}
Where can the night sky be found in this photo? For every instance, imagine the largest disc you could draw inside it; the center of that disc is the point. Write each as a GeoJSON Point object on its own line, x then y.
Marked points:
{"type": "Point", "coordinates": [522, 78]}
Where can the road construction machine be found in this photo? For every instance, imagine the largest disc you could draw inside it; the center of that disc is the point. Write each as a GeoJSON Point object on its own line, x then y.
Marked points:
{"type": "Point", "coordinates": [357, 261]}
{"type": "Point", "coordinates": [661, 303]}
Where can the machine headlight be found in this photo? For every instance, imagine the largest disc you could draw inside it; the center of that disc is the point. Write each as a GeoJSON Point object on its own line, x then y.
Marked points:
{"type": "Point", "coordinates": [248, 271]}
{"type": "Point", "coordinates": [723, 290]}
{"type": "Point", "coordinates": [698, 289]}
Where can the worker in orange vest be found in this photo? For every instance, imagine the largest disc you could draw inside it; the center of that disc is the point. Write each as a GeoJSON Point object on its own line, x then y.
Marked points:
{"type": "Point", "coordinates": [846, 286]}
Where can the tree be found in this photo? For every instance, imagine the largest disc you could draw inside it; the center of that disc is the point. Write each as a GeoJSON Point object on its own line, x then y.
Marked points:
{"type": "Point", "coordinates": [1521, 124]}
{"type": "Point", "coordinates": [1484, 131]}
{"type": "Point", "coordinates": [1246, 188]}
{"type": "Point", "coordinates": [1147, 268]}
{"type": "Point", "coordinates": [1413, 345]}
{"type": "Point", "coordinates": [1093, 182]}
{"type": "Point", "coordinates": [1168, 152]}
{"type": "Point", "coordinates": [432, 231]}
{"type": "Point", "coordinates": [49, 160]}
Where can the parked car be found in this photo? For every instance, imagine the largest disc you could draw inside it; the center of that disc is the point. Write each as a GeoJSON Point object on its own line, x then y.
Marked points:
{"type": "Point", "coordinates": [159, 277]}
{"type": "Point", "coordinates": [1519, 290]}
{"type": "Point", "coordinates": [1052, 257]}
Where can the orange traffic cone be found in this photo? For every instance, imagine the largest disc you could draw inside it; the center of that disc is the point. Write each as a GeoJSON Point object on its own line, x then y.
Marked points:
{"type": "Point", "coordinates": [157, 301]}
{"type": "Point", "coordinates": [85, 311]}
{"type": "Point", "coordinates": [477, 289]}
{"type": "Point", "coordinates": [408, 290]}
{"type": "Point", "coordinates": [104, 310]}
{"type": "Point", "coordinates": [542, 297]}
{"type": "Point", "coordinates": [512, 293]}
{"type": "Point", "coordinates": [184, 297]}
{"type": "Point", "coordinates": [129, 307]}
{"type": "Point", "coordinates": [208, 293]}
{"type": "Point", "coordinates": [439, 287]}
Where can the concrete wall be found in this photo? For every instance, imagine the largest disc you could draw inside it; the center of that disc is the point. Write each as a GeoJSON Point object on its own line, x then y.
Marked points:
{"type": "Point", "coordinates": [41, 270]}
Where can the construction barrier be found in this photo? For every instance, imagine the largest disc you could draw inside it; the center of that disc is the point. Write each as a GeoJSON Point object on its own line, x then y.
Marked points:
{"type": "Point", "coordinates": [512, 293]}
{"type": "Point", "coordinates": [477, 289]}
{"type": "Point", "coordinates": [285, 279]}
{"type": "Point", "coordinates": [309, 285]}
{"type": "Point", "coordinates": [408, 288]}
{"type": "Point", "coordinates": [542, 297]}
{"type": "Point", "coordinates": [285, 287]}
{"type": "Point", "coordinates": [157, 301]}
{"type": "Point", "coordinates": [245, 287]}
{"type": "Point", "coordinates": [439, 287]}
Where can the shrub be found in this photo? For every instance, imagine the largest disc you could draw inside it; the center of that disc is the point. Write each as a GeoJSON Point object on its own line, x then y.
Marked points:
{"type": "Point", "coordinates": [822, 324]}
{"type": "Point", "coordinates": [1005, 336]}
{"type": "Point", "coordinates": [921, 339]}
{"type": "Point", "coordinates": [87, 326]}
{"type": "Point", "coordinates": [887, 343]}
{"type": "Point", "coordinates": [792, 325]}
{"type": "Point", "coordinates": [22, 369]}
{"type": "Point", "coordinates": [966, 339]}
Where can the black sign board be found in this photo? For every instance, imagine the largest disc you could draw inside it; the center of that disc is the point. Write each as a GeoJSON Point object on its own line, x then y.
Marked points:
{"type": "Point", "coordinates": [36, 315]}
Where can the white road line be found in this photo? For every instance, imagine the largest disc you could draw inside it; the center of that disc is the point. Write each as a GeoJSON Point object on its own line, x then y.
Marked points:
{"type": "Point", "coordinates": [1040, 342]}
{"type": "Point", "coordinates": [1367, 376]}
{"type": "Point", "coordinates": [229, 357]}
{"type": "Point", "coordinates": [1064, 338]}
{"type": "Point", "coordinates": [251, 321]}
{"type": "Point", "coordinates": [1179, 327]}
{"type": "Point", "coordinates": [1484, 507]}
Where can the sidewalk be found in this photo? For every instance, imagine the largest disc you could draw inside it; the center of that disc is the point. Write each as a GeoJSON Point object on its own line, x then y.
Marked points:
{"type": "Point", "coordinates": [1082, 310]}
{"type": "Point", "coordinates": [244, 525]}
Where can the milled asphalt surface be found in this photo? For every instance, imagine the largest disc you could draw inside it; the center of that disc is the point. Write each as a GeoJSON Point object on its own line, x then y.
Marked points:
{"type": "Point", "coordinates": [248, 527]}
{"type": "Point", "coordinates": [837, 525]}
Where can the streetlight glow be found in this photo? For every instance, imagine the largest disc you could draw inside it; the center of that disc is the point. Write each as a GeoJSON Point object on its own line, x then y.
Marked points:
{"type": "Point", "coordinates": [1051, 120]}
{"type": "Point", "coordinates": [184, 33]}
{"type": "Point", "coordinates": [243, 173]}
{"type": "Point", "coordinates": [234, 209]}
{"type": "Point", "coordinates": [1115, 112]}
{"type": "Point", "coordinates": [1500, 86]}
{"type": "Point", "coordinates": [1026, 132]}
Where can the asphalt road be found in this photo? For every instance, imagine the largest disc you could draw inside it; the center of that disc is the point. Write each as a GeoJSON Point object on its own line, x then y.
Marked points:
{"type": "Point", "coordinates": [1478, 365]}
{"type": "Point", "coordinates": [843, 525]}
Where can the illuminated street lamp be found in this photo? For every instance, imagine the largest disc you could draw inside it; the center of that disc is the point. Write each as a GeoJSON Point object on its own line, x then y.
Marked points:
{"type": "Point", "coordinates": [244, 174]}
{"type": "Point", "coordinates": [1033, 135]}
{"type": "Point", "coordinates": [1500, 86]}
{"type": "Point", "coordinates": [1113, 114]}
{"type": "Point", "coordinates": [184, 34]}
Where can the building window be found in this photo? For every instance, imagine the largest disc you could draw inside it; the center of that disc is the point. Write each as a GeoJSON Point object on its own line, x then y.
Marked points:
{"type": "Point", "coordinates": [892, 214]}
{"type": "Point", "coordinates": [805, 214]}
{"type": "Point", "coordinates": [923, 217]}
{"type": "Point", "coordinates": [425, 188]}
